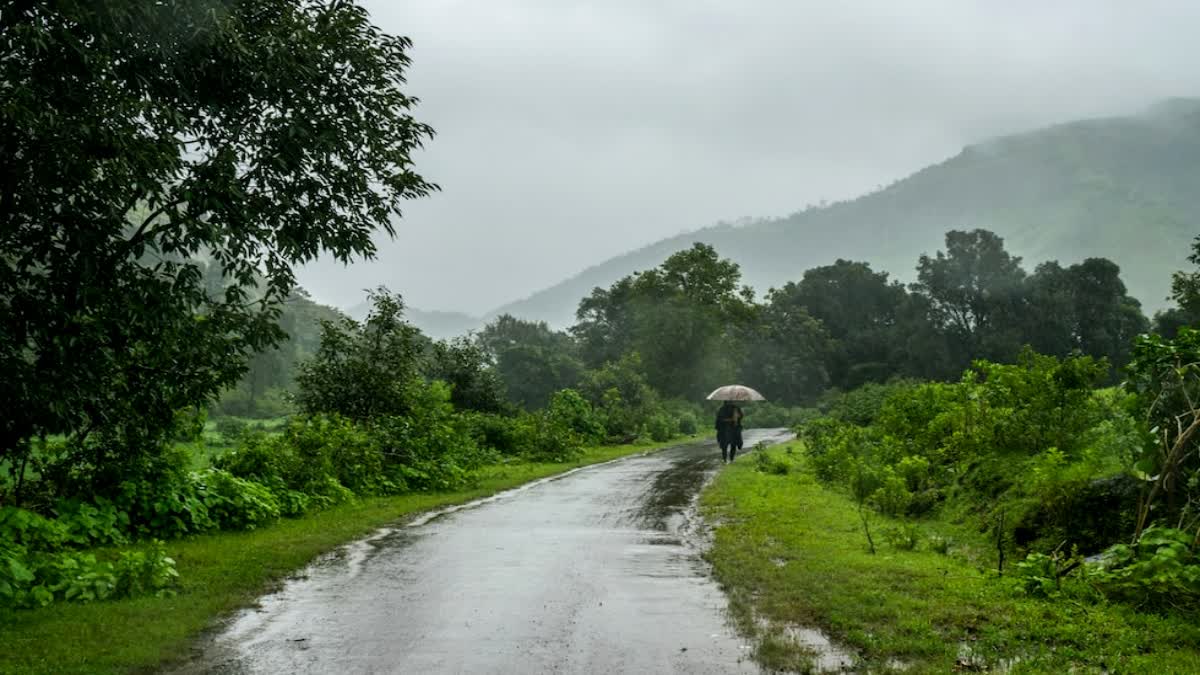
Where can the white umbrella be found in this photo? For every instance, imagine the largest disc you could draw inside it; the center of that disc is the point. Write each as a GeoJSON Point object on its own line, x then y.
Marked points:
{"type": "Point", "coordinates": [735, 392]}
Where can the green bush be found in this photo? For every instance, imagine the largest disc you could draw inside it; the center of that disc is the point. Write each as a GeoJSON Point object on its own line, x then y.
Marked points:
{"type": "Point", "coordinates": [434, 448]}
{"type": "Point", "coordinates": [661, 427]}
{"type": "Point", "coordinates": [315, 456]}
{"type": "Point", "coordinates": [687, 423]}
{"type": "Point", "coordinates": [765, 462]}
{"type": "Point", "coordinates": [166, 505]}
{"type": "Point", "coordinates": [500, 433]}
{"type": "Point", "coordinates": [235, 503]}
{"type": "Point", "coordinates": [36, 579]}
{"type": "Point", "coordinates": [568, 408]}
{"type": "Point", "coordinates": [99, 523]}
{"type": "Point", "coordinates": [544, 439]}
{"type": "Point", "coordinates": [767, 415]}
{"type": "Point", "coordinates": [1162, 570]}
{"type": "Point", "coordinates": [903, 537]}
{"type": "Point", "coordinates": [863, 405]}
{"type": "Point", "coordinates": [37, 567]}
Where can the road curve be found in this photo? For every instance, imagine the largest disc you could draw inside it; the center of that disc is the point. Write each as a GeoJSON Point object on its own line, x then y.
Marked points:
{"type": "Point", "coordinates": [596, 571]}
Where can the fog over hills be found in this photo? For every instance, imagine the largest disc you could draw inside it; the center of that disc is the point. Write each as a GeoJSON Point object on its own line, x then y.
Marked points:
{"type": "Point", "coordinates": [1123, 188]}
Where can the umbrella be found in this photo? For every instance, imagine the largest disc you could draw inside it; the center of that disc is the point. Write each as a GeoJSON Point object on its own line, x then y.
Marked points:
{"type": "Point", "coordinates": [735, 392]}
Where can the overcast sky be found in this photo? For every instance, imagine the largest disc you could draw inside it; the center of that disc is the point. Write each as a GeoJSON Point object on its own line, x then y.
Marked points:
{"type": "Point", "coordinates": [569, 132]}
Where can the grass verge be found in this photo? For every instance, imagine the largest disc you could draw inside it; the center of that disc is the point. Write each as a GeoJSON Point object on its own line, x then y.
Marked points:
{"type": "Point", "coordinates": [224, 571]}
{"type": "Point", "coordinates": [791, 552]}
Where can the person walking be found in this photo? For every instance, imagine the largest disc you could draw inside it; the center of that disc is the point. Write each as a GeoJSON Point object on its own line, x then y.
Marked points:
{"type": "Point", "coordinates": [729, 430]}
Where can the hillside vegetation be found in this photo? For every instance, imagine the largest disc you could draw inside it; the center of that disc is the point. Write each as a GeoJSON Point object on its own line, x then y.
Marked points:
{"type": "Point", "coordinates": [1117, 188]}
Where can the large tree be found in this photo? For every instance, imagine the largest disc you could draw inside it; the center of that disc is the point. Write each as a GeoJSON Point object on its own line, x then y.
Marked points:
{"type": "Point", "coordinates": [139, 140]}
{"type": "Point", "coordinates": [975, 294]}
{"type": "Point", "coordinates": [788, 353]}
{"type": "Point", "coordinates": [878, 329]}
{"type": "Point", "coordinates": [532, 360]}
{"type": "Point", "coordinates": [681, 317]}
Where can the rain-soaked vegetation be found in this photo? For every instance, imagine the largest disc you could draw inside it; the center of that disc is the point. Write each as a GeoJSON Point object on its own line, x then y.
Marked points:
{"type": "Point", "coordinates": [172, 395]}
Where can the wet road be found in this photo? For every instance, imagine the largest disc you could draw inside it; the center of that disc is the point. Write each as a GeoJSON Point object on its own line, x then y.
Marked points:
{"type": "Point", "coordinates": [597, 571]}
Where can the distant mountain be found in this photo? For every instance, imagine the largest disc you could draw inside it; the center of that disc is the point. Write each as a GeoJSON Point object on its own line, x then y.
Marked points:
{"type": "Point", "coordinates": [1125, 188]}
{"type": "Point", "coordinates": [435, 324]}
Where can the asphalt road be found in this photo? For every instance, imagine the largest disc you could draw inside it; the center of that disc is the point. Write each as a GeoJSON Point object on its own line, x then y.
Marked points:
{"type": "Point", "coordinates": [596, 571]}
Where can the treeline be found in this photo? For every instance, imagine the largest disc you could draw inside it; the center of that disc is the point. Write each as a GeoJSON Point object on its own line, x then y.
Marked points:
{"type": "Point", "coordinates": [690, 325]}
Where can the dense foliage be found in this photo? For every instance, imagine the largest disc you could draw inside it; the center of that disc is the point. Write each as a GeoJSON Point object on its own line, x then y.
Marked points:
{"type": "Point", "coordinates": [144, 144]}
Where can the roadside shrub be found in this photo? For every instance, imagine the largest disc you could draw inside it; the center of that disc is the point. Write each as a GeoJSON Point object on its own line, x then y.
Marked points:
{"type": "Point", "coordinates": [235, 503]}
{"type": "Point", "coordinates": [545, 440]}
{"type": "Point", "coordinates": [28, 529]}
{"type": "Point", "coordinates": [146, 570]}
{"type": "Point", "coordinates": [166, 505]}
{"type": "Point", "coordinates": [765, 415]}
{"type": "Point", "coordinates": [863, 405]}
{"type": "Point", "coordinates": [99, 523]}
{"type": "Point", "coordinates": [319, 456]}
{"type": "Point", "coordinates": [687, 424]}
{"type": "Point", "coordinates": [36, 579]}
{"type": "Point", "coordinates": [619, 392]}
{"type": "Point", "coordinates": [570, 409]}
{"type": "Point", "coordinates": [434, 448]}
{"type": "Point", "coordinates": [238, 402]}
{"type": "Point", "coordinates": [660, 427]}
{"type": "Point", "coordinates": [497, 432]}
{"type": "Point", "coordinates": [764, 462]}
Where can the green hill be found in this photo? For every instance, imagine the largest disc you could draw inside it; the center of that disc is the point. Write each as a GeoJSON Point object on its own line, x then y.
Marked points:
{"type": "Point", "coordinates": [1126, 188]}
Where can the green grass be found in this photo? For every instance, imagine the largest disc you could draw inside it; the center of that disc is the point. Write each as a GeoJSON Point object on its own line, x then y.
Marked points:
{"type": "Point", "coordinates": [791, 552]}
{"type": "Point", "coordinates": [222, 572]}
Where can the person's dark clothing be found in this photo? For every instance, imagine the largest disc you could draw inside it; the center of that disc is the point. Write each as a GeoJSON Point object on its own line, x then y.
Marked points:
{"type": "Point", "coordinates": [729, 430]}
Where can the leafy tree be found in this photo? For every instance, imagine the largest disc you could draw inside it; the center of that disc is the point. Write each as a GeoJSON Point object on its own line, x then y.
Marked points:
{"type": "Point", "coordinates": [604, 327]}
{"type": "Point", "coordinates": [138, 140]}
{"type": "Point", "coordinates": [464, 365]}
{"type": "Point", "coordinates": [364, 371]}
{"type": "Point", "coordinates": [619, 390]}
{"type": "Point", "coordinates": [878, 329]}
{"type": "Point", "coordinates": [974, 290]}
{"type": "Point", "coordinates": [1165, 376]}
{"type": "Point", "coordinates": [1185, 286]}
{"type": "Point", "coordinates": [1185, 291]}
{"type": "Point", "coordinates": [1082, 308]}
{"type": "Point", "coordinates": [532, 360]}
{"type": "Point", "coordinates": [681, 317]}
{"type": "Point", "coordinates": [788, 352]}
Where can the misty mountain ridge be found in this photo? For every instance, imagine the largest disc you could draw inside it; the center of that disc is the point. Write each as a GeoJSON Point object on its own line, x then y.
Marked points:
{"type": "Point", "coordinates": [1123, 188]}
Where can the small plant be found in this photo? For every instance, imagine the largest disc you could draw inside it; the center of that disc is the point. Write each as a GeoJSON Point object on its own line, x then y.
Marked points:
{"type": "Point", "coordinates": [1041, 575]}
{"type": "Point", "coordinates": [764, 462]}
{"type": "Point", "coordinates": [939, 544]}
{"type": "Point", "coordinates": [1162, 569]}
{"type": "Point", "coordinates": [905, 537]}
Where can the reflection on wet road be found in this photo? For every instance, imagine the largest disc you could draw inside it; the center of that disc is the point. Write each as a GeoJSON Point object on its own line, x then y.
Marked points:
{"type": "Point", "coordinates": [593, 572]}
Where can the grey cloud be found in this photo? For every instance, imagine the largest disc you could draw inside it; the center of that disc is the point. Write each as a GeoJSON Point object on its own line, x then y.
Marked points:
{"type": "Point", "coordinates": [572, 131]}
